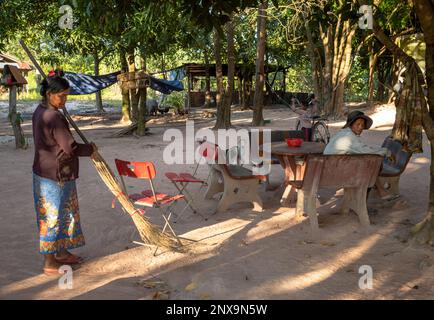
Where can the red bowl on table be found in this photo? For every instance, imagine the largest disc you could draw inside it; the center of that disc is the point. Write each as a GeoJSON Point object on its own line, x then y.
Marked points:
{"type": "Point", "coordinates": [294, 142]}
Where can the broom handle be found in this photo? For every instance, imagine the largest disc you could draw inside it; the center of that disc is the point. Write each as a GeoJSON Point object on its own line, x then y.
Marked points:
{"type": "Point", "coordinates": [74, 125]}
{"type": "Point", "coordinates": [32, 58]}
{"type": "Point", "coordinates": [65, 112]}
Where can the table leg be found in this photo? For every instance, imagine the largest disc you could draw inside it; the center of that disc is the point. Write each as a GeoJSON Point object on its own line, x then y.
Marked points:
{"type": "Point", "coordinates": [300, 207]}
{"type": "Point", "coordinates": [289, 195]}
{"type": "Point", "coordinates": [281, 189]}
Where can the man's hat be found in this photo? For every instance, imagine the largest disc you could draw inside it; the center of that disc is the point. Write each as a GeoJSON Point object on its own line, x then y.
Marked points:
{"type": "Point", "coordinates": [354, 115]}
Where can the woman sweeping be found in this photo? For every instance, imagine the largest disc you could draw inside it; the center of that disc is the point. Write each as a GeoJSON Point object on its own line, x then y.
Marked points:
{"type": "Point", "coordinates": [55, 170]}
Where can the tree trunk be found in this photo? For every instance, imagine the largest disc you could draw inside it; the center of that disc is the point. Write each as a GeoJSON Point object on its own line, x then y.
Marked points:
{"type": "Point", "coordinates": [163, 66]}
{"type": "Point", "coordinates": [220, 122]}
{"type": "Point", "coordinates": [372, 63]}
{"type": "Point", "coordinates": [326, 37]}
{"type": "Point", "coordinates": [207, 81]}
{"type": "Point", "coordinates": [424, 231]}
{"type": "Point", "coordinates": [247, 88]}
{"type": "Point", "coordinates": [231, 73]}
{"type": "Point", "coordinates": [313, 57]}
{"type": "Point", "coordinates": [408, 122]}
{"type": "Point", "coordinates": [15, 119]}
{"type": "Point", "coordinates": [384, 74]}
{"type": "Point", "coordinates": [98, 96]}
{"type": "Point", "coordinates": [343, 65]}
{"type": "Point", "coordinates": [141, 120]}
{"type": "Point", "coordinates": [240, 91]}
{"type": "Point", "coordinates": [258, 100]}
{"type": "Point", "coordinates": [381, 90]}
{"type": "Point", "coordinates": [125, 92]}
{"type": "Point", "coordinates": [190, 88]}
{"type": "Point", "coordinates": [224, 106]}
{"type": "Point", "coordinates": [337, 63]}
{"type": "Point", "coordinates": [134, 96]}
{"type": "Point", "coordinates": [425, 14]}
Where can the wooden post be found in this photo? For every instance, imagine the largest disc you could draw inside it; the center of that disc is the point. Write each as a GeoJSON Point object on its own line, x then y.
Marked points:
{"type": "Point", "coordinates": [190, 84]}
{"type": "Point", "coordinates": [208, 96]}
{"type": "Point", "coordinates": [14, 118]}
{"type": "Point", "coordinates": [141, 121]}
{"type": "Point", "coordinates": [98, 94]}
{"type": "Point", "coordinates": [134, 97]}
{"type": "Point", "coordinates": [240, 90]}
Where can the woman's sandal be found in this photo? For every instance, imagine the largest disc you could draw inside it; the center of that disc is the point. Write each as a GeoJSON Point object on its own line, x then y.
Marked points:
{"type": "Point", "coordinates": [71, 259]}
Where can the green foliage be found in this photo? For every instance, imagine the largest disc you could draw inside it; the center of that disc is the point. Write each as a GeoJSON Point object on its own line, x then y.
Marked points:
{"type": "Point", "coordinates": [210, 14]}
{"type": "Point", "coordinates": [357, 88]}
{"type": "Point", "coordinates": [395, 15]}
{"type": "Point", "coordinates": [176, 101]}
{"type": "Point", "coordinates": [298, 77]}
{"type": "Point", "coordinates": [175, 32]}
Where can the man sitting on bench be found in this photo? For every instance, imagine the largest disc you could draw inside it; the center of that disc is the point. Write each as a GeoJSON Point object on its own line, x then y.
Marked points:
{"type": "Point", "coordinates": [347, 141]}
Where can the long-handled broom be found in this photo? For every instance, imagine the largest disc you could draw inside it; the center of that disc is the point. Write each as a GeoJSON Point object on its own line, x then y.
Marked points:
{"type": "Point", "coordinates": [147, 231]}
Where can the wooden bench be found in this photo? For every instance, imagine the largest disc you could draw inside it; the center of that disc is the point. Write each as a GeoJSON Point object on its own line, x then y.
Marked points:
{"type": "Point", "coordinates": [237, 183]}
{"type": "Point", "coordinates": [394, 165]}
{"type": "Point", "coordinates": [240, 185]}
{"type": "Point", "coordinates": [209, 152]}
{"type": "Point", "coordinates": [355, 173]}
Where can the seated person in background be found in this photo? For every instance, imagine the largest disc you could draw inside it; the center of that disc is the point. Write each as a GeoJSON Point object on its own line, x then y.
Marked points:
{"type": "Point", "coordinates": [306, 114]}
{"type": "Point", "coordinates": [313, 103]}
{"type": "Point", "coordinates": [347, 141]}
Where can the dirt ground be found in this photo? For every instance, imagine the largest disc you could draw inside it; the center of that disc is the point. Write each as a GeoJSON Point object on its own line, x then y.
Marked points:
{"type": "Point", "coordinates": [240, 254]}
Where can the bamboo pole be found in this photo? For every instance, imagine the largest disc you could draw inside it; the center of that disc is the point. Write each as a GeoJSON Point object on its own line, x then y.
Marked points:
{"type": "Point", "coordinates": [15, 119]}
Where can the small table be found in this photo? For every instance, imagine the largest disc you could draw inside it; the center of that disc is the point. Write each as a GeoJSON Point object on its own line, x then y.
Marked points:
{"type": "Point", "coordinates": [293, 168]}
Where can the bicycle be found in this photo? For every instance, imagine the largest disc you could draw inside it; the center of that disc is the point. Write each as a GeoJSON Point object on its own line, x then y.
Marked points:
{"type": "Point", "coordinates": [320, 129]}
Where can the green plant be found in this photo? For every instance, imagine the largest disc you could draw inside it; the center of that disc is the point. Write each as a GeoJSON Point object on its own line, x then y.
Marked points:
{"type": "Point", "coordinates": [176, 101]}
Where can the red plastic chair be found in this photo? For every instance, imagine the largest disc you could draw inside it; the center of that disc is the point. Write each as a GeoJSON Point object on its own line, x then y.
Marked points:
{"type": "Point", "coordinates": [148, 198]}
{"type": "Point", "coordinates": [183, 179]}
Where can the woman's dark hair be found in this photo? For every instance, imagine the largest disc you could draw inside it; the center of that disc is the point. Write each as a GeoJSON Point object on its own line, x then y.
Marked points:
{"type": "Point", "coordinates": [54, 84]}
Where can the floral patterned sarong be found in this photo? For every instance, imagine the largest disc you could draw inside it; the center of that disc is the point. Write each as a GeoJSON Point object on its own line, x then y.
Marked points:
{"type": "Point", "coordinates": [57, 215]}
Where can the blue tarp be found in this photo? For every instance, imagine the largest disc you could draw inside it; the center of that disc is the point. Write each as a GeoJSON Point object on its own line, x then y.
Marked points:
{"type": "Point", "coordinates": [87, 84]}
{"type": "Point", "coordinates": [177, 74]}
{"type": "Point", "coordinates": [166, 86]}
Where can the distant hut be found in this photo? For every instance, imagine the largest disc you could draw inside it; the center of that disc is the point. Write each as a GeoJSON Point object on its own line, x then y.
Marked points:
{"type": "Point", "coordinates": [201, 85]}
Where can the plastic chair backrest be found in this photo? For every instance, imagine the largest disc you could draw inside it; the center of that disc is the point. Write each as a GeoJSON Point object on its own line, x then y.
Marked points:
{"type": "Point", "coordinates": [209, 151]}
{"type": "Point", "coordinates": [399, 158]}
{"type": "Point", "coordinates": [134, 169]}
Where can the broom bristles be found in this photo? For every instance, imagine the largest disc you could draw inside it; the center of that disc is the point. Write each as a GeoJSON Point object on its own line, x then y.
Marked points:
{"type": "Point", "coordinates": [147, 231]}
